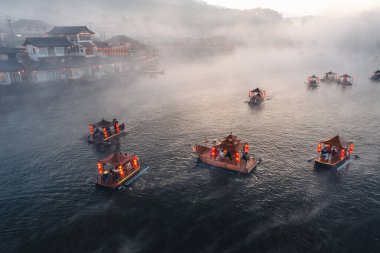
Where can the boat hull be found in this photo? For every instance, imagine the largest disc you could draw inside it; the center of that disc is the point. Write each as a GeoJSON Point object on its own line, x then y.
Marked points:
{"type": "Point", "coordinates": [324, 164]}
{"type": "Point", "coordinates": [115, 185]}
{"type": "Point", "coordinates": [242, 167]}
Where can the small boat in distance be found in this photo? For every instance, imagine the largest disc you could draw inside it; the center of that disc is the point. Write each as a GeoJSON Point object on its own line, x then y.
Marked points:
{"type": "Point", "coordinates": [230, 154]}
{"type": "Point", "coordinates": [117, 169]}
{"type": "Point", "coordinates": [256, 96]}
{"type": "Point", "coordinates": [330, 77]}
{"type": "Point", "coordinates": [333, 153]}
{"type": "Point", "coordinates": [312, 81]}
{"type": "Point", "coordinates": [376, 76]}
{"type": "Point", "coordinates": [346, 80]}
{"type": "Point", "coordinates": [104, 131]}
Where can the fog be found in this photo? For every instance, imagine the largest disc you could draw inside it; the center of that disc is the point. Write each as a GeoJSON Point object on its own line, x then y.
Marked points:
{"type": "Point", "coordinates": [164, 21]}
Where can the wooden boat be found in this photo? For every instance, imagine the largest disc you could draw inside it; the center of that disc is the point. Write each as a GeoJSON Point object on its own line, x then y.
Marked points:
{"type": "Point", "coordinates": [329, 77]}
{"type": "Point", "coordinates": [346, 80]}
{"type": "Point", "coordinates": [117, 169]}
{"type": "Point", "coordinates": [376, 76]}
{"type": "Point", "coordinates": [312, 81]}
{"type": "Point", "coordinates": [256, 96]}
{"type": "Point", "coordinates": [333, 153]}
{"type": "Point", "coordinates": [104, 131]}
{"type": "Point", "coordinates": [227, 154]}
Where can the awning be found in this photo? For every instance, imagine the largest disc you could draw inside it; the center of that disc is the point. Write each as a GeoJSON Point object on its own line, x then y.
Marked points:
{"type": "Point", "coordinates": [338, 142]}
{"type": "Point", "coordinates": [346, 76]}
{"type": "Point", "coordinates": [103, 123]}
{"type": "Point", "coordinates": [256, 90]}
{"type": "Point", "coordinates": [116, 159]}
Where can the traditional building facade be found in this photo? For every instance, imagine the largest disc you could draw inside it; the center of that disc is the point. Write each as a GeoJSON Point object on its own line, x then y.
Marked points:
{"type": "Point", "coordinates": [79, 36]}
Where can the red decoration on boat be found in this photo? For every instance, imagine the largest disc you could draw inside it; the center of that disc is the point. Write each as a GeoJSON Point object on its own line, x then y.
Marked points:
{"type": "Point", "coordinates": [351, 148]}
{"type": "Point", "coordinates": [121, 171]}
{"type": "Point", "coordinates": [213, 152]}
{"type": "Point", "coordinates": [91, 129]}
{"type": "Point", "coordinates": [117, 127]}
{"type": "Point", "coordinates": [105, 133]}
{"type": "Point", "coordinates": [342, 153]}
{"type": "Point", "coordinates": [246, 148]}
{"type": "Point", "coordinates": [237, 157]}
{"type": "Point", "coordinates": [135, 161]}
{"type": "Point", "coordinates": [100, 168]}
{"type": "Point", "coordinates": [319, 147]}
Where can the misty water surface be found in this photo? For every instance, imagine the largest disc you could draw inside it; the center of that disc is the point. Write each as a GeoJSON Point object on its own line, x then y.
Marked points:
{"type": "Point", "coordinates": [50, 204]}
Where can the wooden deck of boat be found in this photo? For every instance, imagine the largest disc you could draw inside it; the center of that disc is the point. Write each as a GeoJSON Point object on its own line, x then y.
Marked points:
{"type": "Point", "coordinates": [114, 135]}
{"type": "Point", "coordinates": [114, 185]}
{"type": "Point", "coordinates": [329, 163]}
{"type": "Point", "coordinates": [242, 167]}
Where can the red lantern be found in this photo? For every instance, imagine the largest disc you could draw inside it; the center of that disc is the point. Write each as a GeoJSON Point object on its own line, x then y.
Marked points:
{"type": "Point", "coordinates": [213, 152]}
{"type": "Point", "coordinates": [135, 163]}
{"type": "Point", "coordinates": [351, 148]}
{"type": "Point", "coordinates": [91, 129]}
{"type": "Point", "coordinates": [246, 148]}
{"type": "Point", "coordinates": [117, 127]}
{"type": "Point", "coordinates": [342, 153]}
{"type": "Point", "coordinates": [105, 133]}
{"type": "Point", "coordinates": [100, 168]}
{"type": "Point", "coordinates": [319, 147]}
{"type": "Point", "coordinates": [237, 157]}
{"type": "Point", "coordinates": [121, 171]}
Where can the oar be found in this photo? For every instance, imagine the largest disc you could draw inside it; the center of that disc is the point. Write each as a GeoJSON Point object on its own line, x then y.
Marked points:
{"type": "Point", "coordinates": [311, 159]}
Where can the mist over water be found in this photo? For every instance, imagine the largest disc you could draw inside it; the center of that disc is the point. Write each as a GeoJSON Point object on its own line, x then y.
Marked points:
{"type": "Point", "coordinates": [49, 202]}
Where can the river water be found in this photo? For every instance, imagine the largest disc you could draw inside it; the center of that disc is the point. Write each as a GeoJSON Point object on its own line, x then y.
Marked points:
{"type": "Point", "coordinates": [48, 201]}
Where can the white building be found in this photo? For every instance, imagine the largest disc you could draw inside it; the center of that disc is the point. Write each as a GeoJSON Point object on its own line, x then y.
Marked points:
{"type": "Point", "coordinates": [79, 36]}
{"type": "Point", "coordinates": [41, 48]}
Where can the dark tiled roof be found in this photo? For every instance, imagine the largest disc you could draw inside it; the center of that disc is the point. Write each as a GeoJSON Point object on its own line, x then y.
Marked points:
{"type": "Point", "coordinates": [70, 30]}
{"type": "Point", "coordinates": [47, 42]}
{"type": "Point", "coordinates": [7, 66]}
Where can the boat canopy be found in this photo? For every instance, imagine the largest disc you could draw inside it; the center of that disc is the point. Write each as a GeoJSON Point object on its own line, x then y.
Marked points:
{"type": "Point", "coordinates": [338, 142]}
{"type": "Point", "coordinates": [313, 76]}
{"type": "Point", "coordinates": [256, 90]}
{"type": "Point", "coordinates": [377, 71]}
{"type": "Point", "coordinates": [346, 76]}
{"type": "Point", "coordinates": [330, 73]}
{"type": "Point", "coordinates": [102, 124]}
{"type": "Point", "coordinates": [230, 143]}
{"type": "Point", "coordinates": [116, 159]}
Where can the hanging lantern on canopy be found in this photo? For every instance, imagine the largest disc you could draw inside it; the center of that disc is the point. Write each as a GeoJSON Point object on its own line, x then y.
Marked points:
{"type": "Point", "coordinates": [135, 163]}
{"type": "Point", "coordinates": [237, 157]}
{"type": "Point", "coordinates": [213, 152]}
{"type": "Point", "coordinates": [319, 147]}
{"type": "Point", "coordinates": [351, 148]}
{"type": "Point", "coordinates": [91, 129]}
{"type": "Point", "coordinates": [117, 127]}
{"type": "Point", "coordinates": [342, 153]}
{"type": "Point", "coordinates": [105, 133]}
{"type": "Point", "coordinates": [246, 148]}
{"type": "Point", "coordinates": [100, 168]}
{"type": "Point", "coordinates": [121, 171]}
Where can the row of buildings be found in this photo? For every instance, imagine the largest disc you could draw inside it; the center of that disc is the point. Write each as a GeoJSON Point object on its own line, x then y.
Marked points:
{"type": "Point", "coordinates": [70, 53]}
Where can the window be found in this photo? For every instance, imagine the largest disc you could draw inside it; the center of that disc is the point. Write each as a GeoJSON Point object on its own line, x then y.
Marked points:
{"type": "Point", "coordinates": [42, 51]}
{"type": "Point", "coordinates": [59, 51]}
